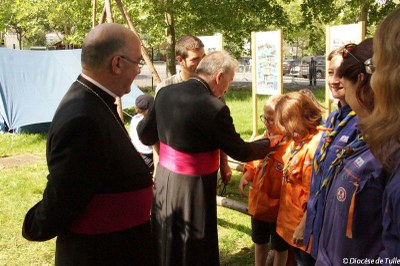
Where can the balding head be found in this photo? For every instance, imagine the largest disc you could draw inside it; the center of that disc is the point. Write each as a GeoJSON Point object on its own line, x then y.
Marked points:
{"type": "Point", "coordinates": [218, 70]}
{"type": "Point", "coordinates": [111, 56]}
{"type": "Point", "coordinates": [103, 42]}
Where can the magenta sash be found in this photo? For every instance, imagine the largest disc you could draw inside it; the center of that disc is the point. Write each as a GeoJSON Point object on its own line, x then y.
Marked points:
{"type": "Point", "coordinates": [108, 213]}
{"type": "Point", "coordinates": [197, 163]}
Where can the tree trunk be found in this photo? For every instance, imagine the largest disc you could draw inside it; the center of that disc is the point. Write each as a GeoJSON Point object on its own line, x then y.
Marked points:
{"type": "Point", "coordinates": [364, 11]}
{"type": "Point", "coordinates": [20, 36]}
{"type": "Point", "coordinates": [19, 41]}
{"type": "Point", "coordinates": [170, 32]}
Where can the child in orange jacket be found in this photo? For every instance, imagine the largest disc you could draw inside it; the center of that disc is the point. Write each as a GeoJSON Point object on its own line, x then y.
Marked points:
{"type": "Point", "coordinates": [264, 193]}
{"type": "Point", "coordinates": [300, 117]}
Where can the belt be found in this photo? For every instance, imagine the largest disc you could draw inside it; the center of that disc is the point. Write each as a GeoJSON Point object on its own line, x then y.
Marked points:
{"type": "Point", "coordinates": [113, 212]}
{"type": "Point", "coordinates": [197, 163]}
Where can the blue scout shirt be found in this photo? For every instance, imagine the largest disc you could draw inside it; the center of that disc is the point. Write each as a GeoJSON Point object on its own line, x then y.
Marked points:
{"type": "Point", "coordinates": [353, 230]}
{"type": "Point", "coordinates": [316, 203]}
{"type": "Point", "coordinates": [391, 217]}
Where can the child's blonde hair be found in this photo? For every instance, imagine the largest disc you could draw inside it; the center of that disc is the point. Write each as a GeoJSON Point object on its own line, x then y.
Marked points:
{"type": "Point", "coordinates": [270, 104]}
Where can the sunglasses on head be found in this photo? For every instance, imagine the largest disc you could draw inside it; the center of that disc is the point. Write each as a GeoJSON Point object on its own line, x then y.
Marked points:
{"type": "Point", "coordinates": [368, 64]}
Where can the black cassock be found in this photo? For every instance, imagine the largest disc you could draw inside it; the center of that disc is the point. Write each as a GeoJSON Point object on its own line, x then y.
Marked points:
{"type": "Point", "coordinates": [191, 125]}
{"type": "Point", "coordinates": [98, 195]}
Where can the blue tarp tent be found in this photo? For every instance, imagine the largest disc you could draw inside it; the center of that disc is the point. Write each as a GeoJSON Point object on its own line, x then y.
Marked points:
{"type": "Point", "coordinates": [32, 84]}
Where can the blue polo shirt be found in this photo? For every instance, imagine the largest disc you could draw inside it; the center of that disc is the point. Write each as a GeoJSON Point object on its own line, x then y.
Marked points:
{"type": "Point", "coordinates": [316, 203]}
{"type": "Point", "coordinates": [363, 175]}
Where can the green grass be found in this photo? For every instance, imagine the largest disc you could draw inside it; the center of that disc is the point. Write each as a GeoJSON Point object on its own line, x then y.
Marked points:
{"type": "Point", "coordinates": [13, 144]}
{"type": "Point", "coordinates": [21, 187]}
{"type": "Point", "coordinates": [240, 104]}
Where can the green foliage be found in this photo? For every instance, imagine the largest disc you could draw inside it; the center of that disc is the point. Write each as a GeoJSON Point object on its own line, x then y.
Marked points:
{"type": "Point", "coordinates": [36, 39]}
{"type": "Point", "coordinates": [70, 18]}
{"type": "Point", "coordinates": [25, 17]}
{"type": "Point", "coordinates": [302, 21]}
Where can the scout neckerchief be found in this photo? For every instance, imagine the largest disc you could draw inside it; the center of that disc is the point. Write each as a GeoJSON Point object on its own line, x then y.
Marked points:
{"type": "Point", "coordinates": [294, 148]}
{"type": "Point", "coordinates": [335, 168]}
{"type": "Point", "coordinates": [265, 161]}
{"type": "Point", "coordinates": [329, 137]}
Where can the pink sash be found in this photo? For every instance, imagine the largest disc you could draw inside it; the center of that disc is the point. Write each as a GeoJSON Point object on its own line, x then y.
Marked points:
{"type": "Point", "coordinates": [199, 163]}
{"type": "Point", "coordinates": [108, 213]}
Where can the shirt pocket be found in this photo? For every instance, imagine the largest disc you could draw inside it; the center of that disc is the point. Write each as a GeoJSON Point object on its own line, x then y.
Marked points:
{"type": "Point", "coordinates": [274, 181]}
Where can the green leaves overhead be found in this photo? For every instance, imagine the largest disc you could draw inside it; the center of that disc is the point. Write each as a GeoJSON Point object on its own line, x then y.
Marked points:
{"type": "Point", "coordinates": [302, 21]}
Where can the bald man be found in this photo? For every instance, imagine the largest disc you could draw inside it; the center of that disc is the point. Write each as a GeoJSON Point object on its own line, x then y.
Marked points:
{"type": "Point", "coordinates": [99, 191]}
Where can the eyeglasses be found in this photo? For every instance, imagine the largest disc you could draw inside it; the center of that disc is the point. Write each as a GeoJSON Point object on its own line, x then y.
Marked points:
{"type": "Point", "coordinates": [368, 64]}
{"type": "Point", "coordinates": [140, 63]}
{"type": "Point", "coordinates": [268, 120]}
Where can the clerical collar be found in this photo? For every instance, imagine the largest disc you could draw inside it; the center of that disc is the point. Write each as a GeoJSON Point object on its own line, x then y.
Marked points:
{"type": "Point", "coordinates": [202, 81]}
{"type": "Point", "coordinates": [99, 85]}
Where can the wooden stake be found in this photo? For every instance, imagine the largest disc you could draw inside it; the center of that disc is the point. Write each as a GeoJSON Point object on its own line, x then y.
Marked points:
{"type": "Point", "coordinates": [103, 16]}
{"type": "Point", "coordinates": [94, 13]}
{"type": "Point", "coordinates": [146, 57]}
{"type": "Point", "coordinates": [107, 7]}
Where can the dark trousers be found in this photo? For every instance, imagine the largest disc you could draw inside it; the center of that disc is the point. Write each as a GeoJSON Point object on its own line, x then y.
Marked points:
{"type": "Point", "coordinates": [304, 259]}
{"type": "Point", "coordinates": [313, 78]}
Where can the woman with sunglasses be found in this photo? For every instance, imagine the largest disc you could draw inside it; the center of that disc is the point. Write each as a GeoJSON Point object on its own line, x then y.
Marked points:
{"type": "Point", "coordinates": [352, 222]}
{"type": "Point", "coordinates": [381, 127]}
{"type": "Point", "coordinates": [341, 130]}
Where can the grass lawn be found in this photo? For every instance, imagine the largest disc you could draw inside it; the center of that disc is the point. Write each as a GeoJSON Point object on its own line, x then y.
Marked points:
{"type": "Point", "coordinates": [22, 186]}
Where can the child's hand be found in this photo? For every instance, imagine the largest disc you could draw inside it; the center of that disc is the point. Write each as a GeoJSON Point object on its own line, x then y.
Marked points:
{"type": "Point", "coordinates": [298, 235]}
{"type": "Point", "coordinates": [242, 184]}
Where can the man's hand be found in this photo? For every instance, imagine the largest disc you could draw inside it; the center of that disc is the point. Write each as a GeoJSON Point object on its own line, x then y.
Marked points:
{"type": "Point", "coordinates": [226, 173]}
{"type": "Point", "coordinates": [224, 169]}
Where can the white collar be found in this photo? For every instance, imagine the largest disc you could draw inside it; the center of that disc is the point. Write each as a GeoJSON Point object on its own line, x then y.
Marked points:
{"type": "Point", "coordinates": [99, 85]}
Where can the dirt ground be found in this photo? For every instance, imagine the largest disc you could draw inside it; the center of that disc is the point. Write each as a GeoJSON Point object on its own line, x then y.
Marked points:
{"type": "Point", "coordinates": [18, 160]}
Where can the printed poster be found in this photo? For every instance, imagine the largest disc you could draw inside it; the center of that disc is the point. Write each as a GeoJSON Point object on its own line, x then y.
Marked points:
{"type": "Point", "coordinates": [343, 34]}
{"type": "Point", "coordinates": [338, 36]}
{"type": "Point", "coordinates": [268, 62]}
{"type": "Point", "coordinates": [212, 43]}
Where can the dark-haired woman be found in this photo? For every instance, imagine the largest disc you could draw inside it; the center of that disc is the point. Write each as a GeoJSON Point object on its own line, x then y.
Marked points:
{"type": "Point", "coordinates": [340, 131]}
{"type": "Point", "coordinates": [352, 224]}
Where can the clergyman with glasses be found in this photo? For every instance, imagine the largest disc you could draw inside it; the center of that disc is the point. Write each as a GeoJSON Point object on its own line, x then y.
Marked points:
{"type": "Point", "coordinates": [99, 191]}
